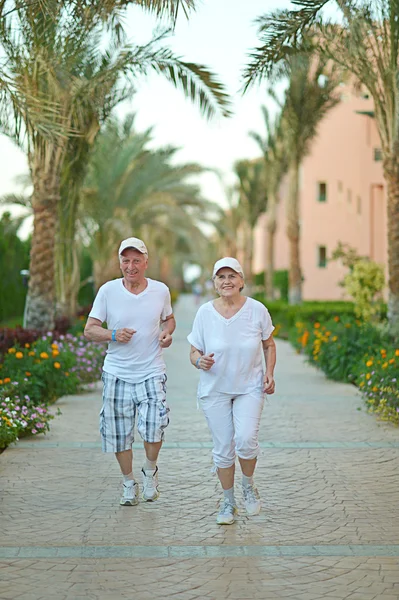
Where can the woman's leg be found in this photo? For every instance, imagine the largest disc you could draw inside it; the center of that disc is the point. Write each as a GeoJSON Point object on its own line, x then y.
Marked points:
{"type": "Point", "coordinates": [247, 412]}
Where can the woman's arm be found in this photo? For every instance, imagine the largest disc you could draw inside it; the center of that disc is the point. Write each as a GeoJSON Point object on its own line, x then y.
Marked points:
{"type": "Point", "coordinates": [269, 351]}
{"type": "Point", "coordinates": [200, 360]}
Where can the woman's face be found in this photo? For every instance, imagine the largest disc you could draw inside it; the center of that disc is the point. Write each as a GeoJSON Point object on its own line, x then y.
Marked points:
{"type": "Point", "coordinates": [228, 283]}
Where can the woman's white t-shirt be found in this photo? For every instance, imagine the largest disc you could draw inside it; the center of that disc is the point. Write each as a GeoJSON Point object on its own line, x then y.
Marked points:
{"type": "Point", "coordinates": [141, 358]}
{"type": "Point", "coordinates": [236, 343]}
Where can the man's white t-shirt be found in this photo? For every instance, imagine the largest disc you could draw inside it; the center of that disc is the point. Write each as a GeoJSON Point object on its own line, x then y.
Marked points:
{"type": "Point", "coordinates": [236, 343]}
{"type": "Point", "coordinates": [141, 358]}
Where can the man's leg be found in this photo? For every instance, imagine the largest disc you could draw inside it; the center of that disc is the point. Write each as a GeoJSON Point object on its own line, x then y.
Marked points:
{"type": "Point", "coordinates": [152, 420]}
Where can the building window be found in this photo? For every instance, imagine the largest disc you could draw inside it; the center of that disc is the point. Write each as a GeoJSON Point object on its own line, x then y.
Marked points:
{"type": "Point", "coordinates": [322, 257]}
{"type": "Point", "coordinates": [340, 186]}
{"type": "Point", "coordinates": [377, 154]}
{"type": "Point", "coordinates": [359, 205]}
{"type": "Point", "coordinates": [322, 191]}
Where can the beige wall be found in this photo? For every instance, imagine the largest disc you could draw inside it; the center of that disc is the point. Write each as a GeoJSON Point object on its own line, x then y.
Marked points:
{"type": "Point", "coordinates": [355, 211]}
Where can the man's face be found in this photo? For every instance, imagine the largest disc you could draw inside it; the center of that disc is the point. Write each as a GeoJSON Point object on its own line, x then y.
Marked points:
{"type": "Point", "coordinates": [133, 265]}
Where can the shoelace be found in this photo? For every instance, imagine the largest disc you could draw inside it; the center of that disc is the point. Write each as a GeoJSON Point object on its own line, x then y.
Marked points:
{"type": "Point", "coordinates": [227, 507]}
{"type": "Point", "coordinates": [251, 494]}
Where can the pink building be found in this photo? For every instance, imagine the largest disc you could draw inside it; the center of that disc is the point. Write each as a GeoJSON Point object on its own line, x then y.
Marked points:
{"type": "Point", "coordinates": [342, 199]}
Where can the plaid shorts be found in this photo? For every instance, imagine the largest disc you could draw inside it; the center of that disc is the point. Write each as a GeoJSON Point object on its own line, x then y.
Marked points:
{"type": "Point", "coordinates": [121, 402]}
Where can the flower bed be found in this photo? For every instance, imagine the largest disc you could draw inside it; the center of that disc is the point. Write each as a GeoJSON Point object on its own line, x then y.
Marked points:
{"type": "Point", "coordinates": [34, 375]}
{"type": "Point", "coordinates": [354, 351]}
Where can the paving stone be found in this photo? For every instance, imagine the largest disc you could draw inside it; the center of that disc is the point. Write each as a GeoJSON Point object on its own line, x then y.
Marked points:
{"type": "Point", "coordinates": [328, 475]}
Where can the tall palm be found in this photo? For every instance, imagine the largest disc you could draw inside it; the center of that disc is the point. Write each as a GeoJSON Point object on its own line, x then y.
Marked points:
{"type": "Point", "coordinates": [273, 147]}
{"type": "Point", "coordinates": [364, 40]}
{"type": "Point", "coordinates": [46, 91]}
{"type": "Point", "coordinates": [252, 190]}
{"type": "Point", "coordinates": [311, 93]}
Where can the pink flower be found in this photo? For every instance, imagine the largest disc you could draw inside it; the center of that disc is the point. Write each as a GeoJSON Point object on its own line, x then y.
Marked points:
{"type": "Point", "coordinates": [34, 430]}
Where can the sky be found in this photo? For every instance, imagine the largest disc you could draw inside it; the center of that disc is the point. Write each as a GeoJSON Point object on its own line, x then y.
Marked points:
{"type": "Point", "coordinates": [219, 35]}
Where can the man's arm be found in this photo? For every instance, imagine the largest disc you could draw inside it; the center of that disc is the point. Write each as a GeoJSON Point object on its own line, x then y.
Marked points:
{"type": "Point", "coordinates": [167, 328]}
{"type": "Point", "coordinates": [95, 332]}
{"type": "Point", "coordinates": [269, 351]}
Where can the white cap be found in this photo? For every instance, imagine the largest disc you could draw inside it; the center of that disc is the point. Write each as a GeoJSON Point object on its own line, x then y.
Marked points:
{"type": "Point", "coordinates": [230, 262]}
{"type": "Point", "coordinates": [135, 243]}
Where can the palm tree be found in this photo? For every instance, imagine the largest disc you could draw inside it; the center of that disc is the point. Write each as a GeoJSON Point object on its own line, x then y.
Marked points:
{"type": "Point", "coordinates": [311, 93]}
{"type": "Point", "coordinates": [129, 187]}
{"type": "Point", "coordinates": [52, 73]}
{"type": "Point", "coordinates": [252, 191]}
{"type": "Point", "coordinates": [364, 40]}
{"type": "Point", "coordinates": [275, 154]}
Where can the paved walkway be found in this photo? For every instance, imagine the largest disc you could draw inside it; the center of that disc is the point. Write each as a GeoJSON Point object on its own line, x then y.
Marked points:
{"type": "Point", "coordinates": [328, 474]}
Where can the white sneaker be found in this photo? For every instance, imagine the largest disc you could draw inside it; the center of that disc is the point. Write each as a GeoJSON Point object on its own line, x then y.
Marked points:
{"type": "Point", "coordinates": [251, 500]}
{"type": "Point", "coordinates": [227, 513]}
{"type": "Point", "coordinates": [150, 485]}
{"type": "Point", "coordinates": [130, 494]}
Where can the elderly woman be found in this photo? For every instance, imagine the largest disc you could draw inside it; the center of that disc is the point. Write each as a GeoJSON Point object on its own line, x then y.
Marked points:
{"type": "Point", "coordinates": [227, 340]}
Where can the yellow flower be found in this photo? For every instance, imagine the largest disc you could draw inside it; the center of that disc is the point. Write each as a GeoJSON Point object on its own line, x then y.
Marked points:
{"type": "Point", "coordinates": [369, 363]}
{"type": "Point", "coordinates": [396, 352]}
{"type": "Point", "coordinates": [385, 365]}
{"type": "Point", "coordinates": [328, 333]}
{"type": "Point", "coordinates": [32, 353]}
{"type": "Point", "coordinates": [27, 345]}
{"type": "Point", "coordinates": [368, 375]}
{"type": "Point", "coordinates": [54, 346]}
{"type": "Point", "coordinates": [334, 339]}
{"type": "Point", "coordinates": [28, 374]}
{"type": "Point", "coordinates": [1, 382]}
{"type": "Point", "coordinates": [11, 351]}
{"type": "Point", "coordinates": [55, 353]}
{"type": "Point", "coordinates": [57, 365]}
{"type": "Point", "coordinates": [382, 351]}
{"type": "Point", "coordinates": [348, 325]}
{"type": "Point", "coordinates": [7, 380]}
{"type": "Point", "coordinates": [19, 355]}
{"type": "Point", "coordinates": [361, 384]}
{"type": "Point", "coordinates": [43, 355]}
{"type": "Point", "coordinates": [375, 389]}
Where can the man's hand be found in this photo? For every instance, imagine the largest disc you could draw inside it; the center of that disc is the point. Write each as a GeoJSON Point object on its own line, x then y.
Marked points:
{"type": "Point", "coordinates": [206, 361]}
{"type": "Point", "coordinates": [269, 384]}
{"type": "Point", "coordinates": [165, 339]}
{"type": "Point", "coordinates": [123, 336]}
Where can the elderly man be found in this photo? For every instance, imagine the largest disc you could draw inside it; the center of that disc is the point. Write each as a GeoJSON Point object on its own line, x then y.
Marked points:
{"type": "Point", "coordinates": [140, 323]}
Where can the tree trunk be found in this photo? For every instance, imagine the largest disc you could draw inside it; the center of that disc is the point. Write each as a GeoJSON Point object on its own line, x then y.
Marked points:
{"type": "Point", "coordinates": [40, 302]}
{"type": "Point", "coordinates": [293, 233]}
{"type": "Point", "coordinates": [391, 173]}
{"type": "Point", "coordinates": [270, 242]}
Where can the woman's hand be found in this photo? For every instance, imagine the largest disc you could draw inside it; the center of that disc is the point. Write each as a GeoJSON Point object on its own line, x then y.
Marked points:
{"type": "Point", "coordinates": [269, 384]}
{"type": "Point", "coordinates": [206, 361]}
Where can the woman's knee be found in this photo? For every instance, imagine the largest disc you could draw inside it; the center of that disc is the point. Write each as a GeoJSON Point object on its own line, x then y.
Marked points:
{"type": "Point", "coordinates": [223, 458]}
{"type": "Point", "coordinates": [247, 447]}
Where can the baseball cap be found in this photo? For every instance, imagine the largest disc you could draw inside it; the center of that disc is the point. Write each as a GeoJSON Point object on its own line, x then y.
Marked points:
{"type": "Point", "coordinates": [230, 262]}
{"type": "Point", "coordinates": [135, 243]}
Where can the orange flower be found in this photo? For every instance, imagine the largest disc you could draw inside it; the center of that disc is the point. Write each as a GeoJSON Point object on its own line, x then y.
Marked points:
{"type": "Point", "coordinates": [27, 345]}
{"type": "Point", "coordinates": [391, 361]}
{"type": "Point", "coordinates": [396, 352]}
{"type": "Point", "coordinates": [334, 339]}
{"type": "Point", "coordinates": [28, 374]}
{"type": "Point", "coordinates": [317, 325]}
{"type": "Point", "coordinates": [55, 353]}
{"type": "Point", "coordinates": [7, 380]}
{"type": "Point", "coordinates": [66, 374]}
{"type": "Point", "coordinates": [43, 355]}
{"type": "Point", "coordinates": [385, 365]}
{"type": "Point", "coordinates": [54, 346]}
{"type": "Point", "coordinates": [19, 355]}
{"type": "Point", "coordinates": [57, 365]}
{"type": "Point", "coordinates": [382, 351]}
{"type": "Point", "coordinates": [375, 389]}
{"type": "Point", "coordinates": [369, 363]}
{"type": "Point", "coordinates": [336, 319]}
{"type": "Point", "coordinates": [32, 353]}
{"type": "Point", "coordinates": [348, 325]}
{"type": "Point", "coordinates": [1, 382]}
{"type": "Point", "coordinates": [11, 351]}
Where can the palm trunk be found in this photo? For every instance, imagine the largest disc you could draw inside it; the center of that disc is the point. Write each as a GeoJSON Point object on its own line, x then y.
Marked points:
{"type": "Point", "coordinates": [391, 173]}
{"type": "Point", "coordinates": [67, 259]}
{"type": "Point", "coordinates": [270, 243]}
{"type": "Point", "coordinates": [40, 302]}
{"type": "Point", "coordinates": [248, 254]}
{"type": "Point", "coordinates": [293, 233]}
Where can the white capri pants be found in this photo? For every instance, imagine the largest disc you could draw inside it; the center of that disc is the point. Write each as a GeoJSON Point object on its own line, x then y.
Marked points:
{"type": "Point", "coordinates": [234, 424]}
